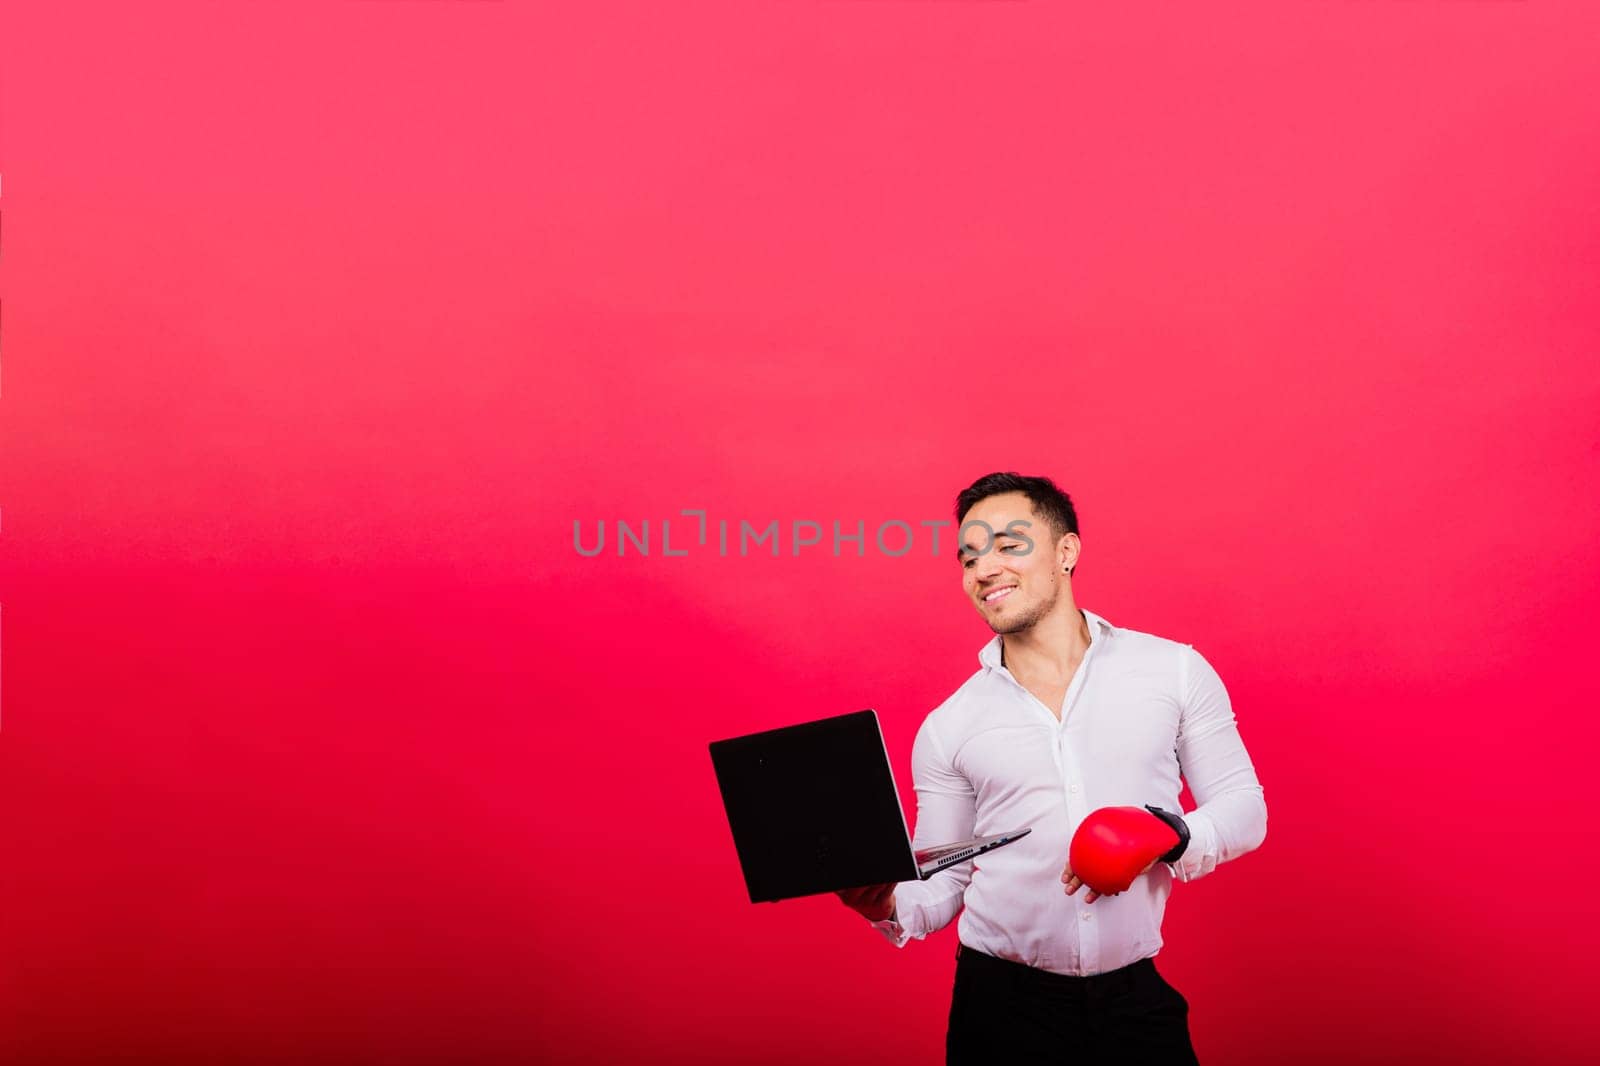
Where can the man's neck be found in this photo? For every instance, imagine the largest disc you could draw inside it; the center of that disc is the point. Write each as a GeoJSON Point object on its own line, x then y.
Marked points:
{"type": "Point", "coordinates": [1050, 650]}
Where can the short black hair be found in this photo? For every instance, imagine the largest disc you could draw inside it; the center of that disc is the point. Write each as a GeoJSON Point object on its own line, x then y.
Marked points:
{"type": "Point", "coordinates": [1049, 502]}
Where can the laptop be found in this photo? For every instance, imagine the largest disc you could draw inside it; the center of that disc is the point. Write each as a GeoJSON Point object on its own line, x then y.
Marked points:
{"type": "Point", "coordinates": [813, 808]}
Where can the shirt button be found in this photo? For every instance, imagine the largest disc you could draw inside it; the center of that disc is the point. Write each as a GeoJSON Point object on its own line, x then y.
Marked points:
{"type": "Point", "coordinates": [1074, 788]}
{"type": "Point", "coordinates": [1086, 916]}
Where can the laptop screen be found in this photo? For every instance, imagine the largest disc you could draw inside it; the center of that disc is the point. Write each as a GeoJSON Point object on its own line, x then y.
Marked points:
{"type": "Point", "coordinates": [813, 808]}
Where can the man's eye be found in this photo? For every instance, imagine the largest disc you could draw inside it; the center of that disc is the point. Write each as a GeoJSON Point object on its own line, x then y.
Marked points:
{"type": "Point", "coordinates": [1012, 548]}
{"type": "Point", "coordinates": [967, 562]}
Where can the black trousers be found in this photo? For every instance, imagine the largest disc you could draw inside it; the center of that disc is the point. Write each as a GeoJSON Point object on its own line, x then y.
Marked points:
{"type": "Point", "coordinates": [1005, 1012]}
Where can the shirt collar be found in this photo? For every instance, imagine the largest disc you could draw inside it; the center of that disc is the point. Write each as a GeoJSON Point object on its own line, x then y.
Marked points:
{"type": "Point", "coordinates": [1099, 628]}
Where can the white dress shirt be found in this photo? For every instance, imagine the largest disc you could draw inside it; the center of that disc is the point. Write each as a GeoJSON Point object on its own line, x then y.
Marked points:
{"type": "Point", "coordinates": [1141, 711]}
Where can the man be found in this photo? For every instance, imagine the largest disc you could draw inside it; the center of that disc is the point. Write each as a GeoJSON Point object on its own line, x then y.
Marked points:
{"type": "Point", "coordinates": [1067, 714]}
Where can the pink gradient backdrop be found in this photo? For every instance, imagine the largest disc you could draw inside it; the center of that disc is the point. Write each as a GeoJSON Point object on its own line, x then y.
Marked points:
{"type": "Point", "coordinates": [322, 324]}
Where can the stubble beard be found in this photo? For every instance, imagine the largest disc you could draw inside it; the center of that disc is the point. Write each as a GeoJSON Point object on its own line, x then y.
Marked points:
{"type": "Point", "coordinates": [1027, 619]}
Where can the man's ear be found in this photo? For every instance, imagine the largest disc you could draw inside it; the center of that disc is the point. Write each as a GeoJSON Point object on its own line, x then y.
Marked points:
{"type": "Point", "coordinates": [1067, 551]}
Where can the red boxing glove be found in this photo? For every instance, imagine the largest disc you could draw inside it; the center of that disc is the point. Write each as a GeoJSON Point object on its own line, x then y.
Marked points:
{"type": "Point", "coordinates": [1114, 844]}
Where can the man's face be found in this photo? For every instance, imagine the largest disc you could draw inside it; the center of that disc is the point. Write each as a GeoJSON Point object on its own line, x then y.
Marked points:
{"type": "Point", "coordinates": [1015, 578]}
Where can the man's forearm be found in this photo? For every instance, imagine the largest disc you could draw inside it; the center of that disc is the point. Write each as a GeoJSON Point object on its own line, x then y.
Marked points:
{"type": "Point", "coordinates": [1226, 827]}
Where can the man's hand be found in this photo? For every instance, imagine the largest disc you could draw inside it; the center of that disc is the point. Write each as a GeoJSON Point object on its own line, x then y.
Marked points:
{"type": "Point", "coordinates": [875, 903]}
{"type": "Point", "coordinates": [1069, 879]}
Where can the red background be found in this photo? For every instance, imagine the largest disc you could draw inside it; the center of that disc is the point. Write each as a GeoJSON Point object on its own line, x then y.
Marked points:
{"type": "Point", "coordinates": [323, 323]}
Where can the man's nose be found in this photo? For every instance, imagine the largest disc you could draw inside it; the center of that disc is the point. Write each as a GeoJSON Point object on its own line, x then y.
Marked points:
{"type": "Point", "coordinates": [988, 564]}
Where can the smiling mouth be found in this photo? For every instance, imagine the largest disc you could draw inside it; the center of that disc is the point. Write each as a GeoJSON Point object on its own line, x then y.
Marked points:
{"type": "Point", "coordinates": [999, 594]}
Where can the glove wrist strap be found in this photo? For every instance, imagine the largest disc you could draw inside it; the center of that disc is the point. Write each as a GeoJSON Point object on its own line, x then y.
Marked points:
{"type": "Point", "coordinates": [1178, 827]}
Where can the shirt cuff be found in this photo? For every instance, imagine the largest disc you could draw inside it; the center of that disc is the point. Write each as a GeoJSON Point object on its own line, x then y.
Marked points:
{"type": "Point", "coordinates": [1200, 857]}
{"type": "Point", "coordinates": [892, 930]}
